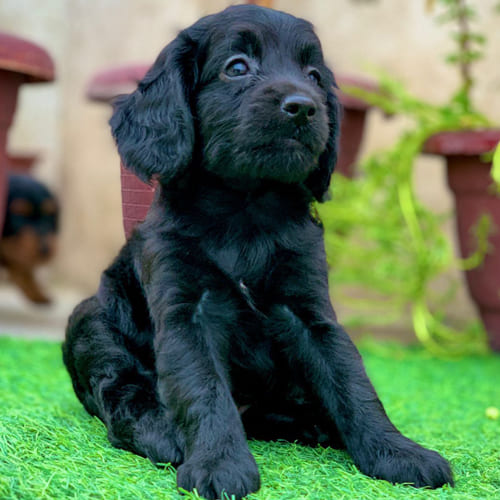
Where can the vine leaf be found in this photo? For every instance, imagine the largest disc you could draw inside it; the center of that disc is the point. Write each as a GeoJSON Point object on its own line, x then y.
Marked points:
{"type": "Point", "coordinates": [495, 169]}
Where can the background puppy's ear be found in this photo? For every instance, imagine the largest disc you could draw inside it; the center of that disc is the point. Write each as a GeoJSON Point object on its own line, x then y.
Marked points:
{"type": "Point", "coordinates": [319, 180]}
{"type": "Point", "coordinates": [153, 126]}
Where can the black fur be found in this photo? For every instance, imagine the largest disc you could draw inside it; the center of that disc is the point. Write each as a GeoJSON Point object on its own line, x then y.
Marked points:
{"type": "Point", "coordinates": [39, 218]}
{"type": "Point", "coordinates": [214, 323]}
{"type": "Point", "coordinates": [29, 236]}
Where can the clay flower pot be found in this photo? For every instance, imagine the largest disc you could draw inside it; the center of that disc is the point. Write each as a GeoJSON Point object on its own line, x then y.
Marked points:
{"type": "Point", "coordinates": [352, 128]}
{"type": "Point", "coordinates": [20, 62]}
{"type": "Point", "coordinates": [471, 183]}
{"type": "Point", "coordinates": [104, 87]}
{"type": "Point", "coordinates": [21, 163]}
{"type": "Point", "coordinates": [136, 199]}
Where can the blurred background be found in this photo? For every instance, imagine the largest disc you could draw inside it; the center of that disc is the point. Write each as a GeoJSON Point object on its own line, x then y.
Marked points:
{"type": "Point", "coordinates": [76, 156]}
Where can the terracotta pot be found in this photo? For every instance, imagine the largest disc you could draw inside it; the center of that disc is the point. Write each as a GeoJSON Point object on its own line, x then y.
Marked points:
{"type": "Point", "coordinates": [21, 163]}
{"type": "Point", "coordinates": [136, 199]}
{"type": "Point", "coordinates": [470, 181]}
{"type": "Point", "coordinates": [20, 62]}
{"type": "Point", "coordinates": [9, 85]}
{"type": "Point", "coordinates": [104, 87]}
{"type": "Point", "coordinates": [353, 124]}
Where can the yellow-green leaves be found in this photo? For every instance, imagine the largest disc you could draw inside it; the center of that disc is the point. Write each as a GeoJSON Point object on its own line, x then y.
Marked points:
{"type": "Point", "coordinates": [495, 169]}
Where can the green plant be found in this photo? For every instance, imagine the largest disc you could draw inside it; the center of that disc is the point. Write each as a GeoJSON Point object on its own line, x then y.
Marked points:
{"type": "Point", "coordinates": [469, 44]}
{"type": "Point", "coordinates": [380, 238]}
{"type": "Point", "coordinates": [495, 169]}
{"type": "Point", "coordinates": [469, 50]}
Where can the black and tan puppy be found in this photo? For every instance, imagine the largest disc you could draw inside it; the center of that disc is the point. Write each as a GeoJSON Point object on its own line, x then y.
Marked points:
{"type": "Point", "coordinates": [214, 323]}
{"type": "Point", "coordinates": [29, 235]}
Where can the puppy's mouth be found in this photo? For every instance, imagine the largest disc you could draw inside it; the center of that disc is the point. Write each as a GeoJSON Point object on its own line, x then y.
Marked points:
{"type": "Point", "coordinates": [278, 144]}
{"type": "Point", "coordinates": [293, 142]}
{"type": "Point", "coordinates": [283, 159]}
{"type": "Point", "coordinates": [307, 142]}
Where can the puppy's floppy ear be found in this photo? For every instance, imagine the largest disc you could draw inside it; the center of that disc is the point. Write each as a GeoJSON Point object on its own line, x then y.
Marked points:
{"type": "Point", "coordinates": [153, 127]}
{"type": "Point", "coordinates": [319, 180]}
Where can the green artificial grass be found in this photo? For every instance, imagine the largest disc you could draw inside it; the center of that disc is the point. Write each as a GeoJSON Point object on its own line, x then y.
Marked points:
{"type": "Point", "coordinates": [50, 448]}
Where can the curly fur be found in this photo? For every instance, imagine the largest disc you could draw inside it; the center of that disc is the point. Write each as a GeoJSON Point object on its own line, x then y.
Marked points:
{"type": "Point", "coordinates": [214, 324]}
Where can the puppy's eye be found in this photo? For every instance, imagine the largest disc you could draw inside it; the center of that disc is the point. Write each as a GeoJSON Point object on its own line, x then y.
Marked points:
{"type": "Point", "coordinates": [49, 207]}
{"type": "Point", "coordinates": [314, 75]}
{"type": "Point", "coordinates": [21, 207]}
{"type": "Point", "coordinates": [236, 67]}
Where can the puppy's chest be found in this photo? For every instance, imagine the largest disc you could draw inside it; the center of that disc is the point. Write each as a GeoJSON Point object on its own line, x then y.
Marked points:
{"type": "Point", "coordinates": [244, 258]}
{"type": "Point", "coordinates": [249, 243]}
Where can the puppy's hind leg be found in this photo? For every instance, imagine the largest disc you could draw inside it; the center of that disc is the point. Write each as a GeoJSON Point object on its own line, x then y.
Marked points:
{"type": "Point", "coordinates": [116, 387]}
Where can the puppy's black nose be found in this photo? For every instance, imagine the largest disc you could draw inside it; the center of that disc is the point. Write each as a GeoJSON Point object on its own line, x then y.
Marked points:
{"type": "Point", "coordinates": [298, 107]}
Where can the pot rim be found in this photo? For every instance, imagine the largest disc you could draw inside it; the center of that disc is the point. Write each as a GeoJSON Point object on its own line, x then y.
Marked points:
{"type": "Point", "coordinates": [462, 142]}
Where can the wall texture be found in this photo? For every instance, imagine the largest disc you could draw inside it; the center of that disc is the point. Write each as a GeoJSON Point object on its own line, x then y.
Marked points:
{"type": "Point", "coordinates": [85, 36]}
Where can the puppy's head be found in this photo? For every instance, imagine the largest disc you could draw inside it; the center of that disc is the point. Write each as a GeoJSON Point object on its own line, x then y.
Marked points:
{"type": "Point", "coordinates": [31, 221]}
{"type": "Point", "coordinates": [244, 94]}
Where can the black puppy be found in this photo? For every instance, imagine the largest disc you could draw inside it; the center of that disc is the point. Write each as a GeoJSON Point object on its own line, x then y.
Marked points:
{"type": "Point", "coordinates": [29, 235]}
{"type": "Point", "coordinates": [215, 321]}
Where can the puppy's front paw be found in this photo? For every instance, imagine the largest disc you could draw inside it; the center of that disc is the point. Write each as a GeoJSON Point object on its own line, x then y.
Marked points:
{"type": "Point", "coordinates": [404, 461]}
{"type": "Point", "coordinates": [234, 474]}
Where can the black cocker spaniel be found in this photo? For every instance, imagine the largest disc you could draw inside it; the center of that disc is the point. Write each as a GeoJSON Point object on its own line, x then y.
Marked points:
{"type": "Point", "coordinates": [214, 324]}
